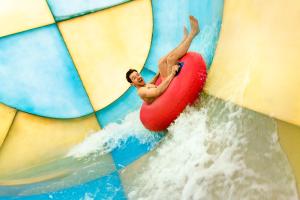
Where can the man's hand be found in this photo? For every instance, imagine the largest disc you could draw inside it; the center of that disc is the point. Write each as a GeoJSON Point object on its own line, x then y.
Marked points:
{"type": "Point", "coordinates": [174, 69]}
{"type": "Point", "coordinates": [155, 92]}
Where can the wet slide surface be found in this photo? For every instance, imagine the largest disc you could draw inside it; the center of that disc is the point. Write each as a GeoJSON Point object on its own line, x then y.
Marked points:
{"type": "Point", "coordinates": [66, 133]}
{"type": "Point", "coordinates": [256, 65]}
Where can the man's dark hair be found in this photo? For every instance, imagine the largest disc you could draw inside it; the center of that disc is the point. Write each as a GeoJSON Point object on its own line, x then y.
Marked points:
{"type": "Point", "coordinates": [128, 74]}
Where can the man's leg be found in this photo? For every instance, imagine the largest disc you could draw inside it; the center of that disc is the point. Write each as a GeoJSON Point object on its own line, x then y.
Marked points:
{"type": "Point", "coordinates": [162, 63]}
{"type": "Point", "coordinates": [185, 35]}
{"type": "Point", "coordinates": [167, 62]}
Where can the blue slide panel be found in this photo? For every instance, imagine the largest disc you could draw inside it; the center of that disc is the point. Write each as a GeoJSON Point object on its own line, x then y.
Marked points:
{"type": "Point", "coordinates": [62, 10]}
{"type": "Point", "coordinates": [37, 75]}
{"type": "Point", "coordinates": [168, 33]}
{"type": "Point", "coordinates": [132, 149]}
{"type": "Point", "coordinates": [107, 187]}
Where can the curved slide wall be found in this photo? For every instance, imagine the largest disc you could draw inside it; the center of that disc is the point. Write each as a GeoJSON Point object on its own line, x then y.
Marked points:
{"type": "Point", "coordinates": [256, 65]}
{"type": "Point", "coordinates": [66, 77]}
{"type": "Point", "coordinates": [62, 71]}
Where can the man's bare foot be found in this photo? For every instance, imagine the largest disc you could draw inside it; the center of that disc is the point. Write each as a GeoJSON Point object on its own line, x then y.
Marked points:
{"type": "Point", "coordinates": [194, 26]}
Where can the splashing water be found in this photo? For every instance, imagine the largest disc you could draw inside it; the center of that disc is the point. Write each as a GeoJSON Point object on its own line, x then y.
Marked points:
{"type": "Point", "coordinates": [112, 136]}
{"type": "Point", "coordinates": [214, 150]}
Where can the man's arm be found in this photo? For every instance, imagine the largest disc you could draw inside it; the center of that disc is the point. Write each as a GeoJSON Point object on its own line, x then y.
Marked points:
{"type": "Point", "coordinates": [157, 91]}
{"type": "Point", "coordinates": [154, 78]}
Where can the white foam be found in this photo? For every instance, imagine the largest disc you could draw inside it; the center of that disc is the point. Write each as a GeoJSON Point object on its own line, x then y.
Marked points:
{"type": "Point", "coordinates": [112, 136]}
{"type": "Point", "coordinates": [215, 151]}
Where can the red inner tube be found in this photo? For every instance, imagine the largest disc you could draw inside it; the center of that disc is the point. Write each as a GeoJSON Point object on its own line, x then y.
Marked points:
{"type": "Point", "coordinates": [182, 91]}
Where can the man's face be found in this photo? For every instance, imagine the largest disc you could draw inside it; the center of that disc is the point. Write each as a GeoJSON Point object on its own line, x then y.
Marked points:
{"type": "Point", "coordinates": [137, 79]}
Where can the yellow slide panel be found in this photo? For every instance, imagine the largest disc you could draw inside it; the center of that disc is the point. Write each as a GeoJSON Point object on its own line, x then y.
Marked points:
{"type": "Point", "coordinates": [257, 63]}
{"type": "Point", "coordinates": [105, 44]}
{"type": "Point", "coordinates": [289, 138]}
{"type": "Point", "coordinates": [33, 140]}
{"type": "Point", "coordinates": [16, 15]}
{"type": "Point", "coordinates": [7, 115]}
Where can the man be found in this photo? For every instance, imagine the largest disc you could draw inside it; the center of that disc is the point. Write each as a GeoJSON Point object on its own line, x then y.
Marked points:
{"type": "Point", "coordinates": [168, 66]}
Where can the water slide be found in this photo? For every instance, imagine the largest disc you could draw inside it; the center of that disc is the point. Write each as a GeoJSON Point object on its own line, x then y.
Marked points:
{"type": "Point", "coordinates": [70, 124]}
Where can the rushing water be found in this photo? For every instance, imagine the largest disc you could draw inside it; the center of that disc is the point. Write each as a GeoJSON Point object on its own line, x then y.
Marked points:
{"type": "Point", "coordinates": [112, 137]}
{"type": "Point", "coordinates": [214, 150]}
